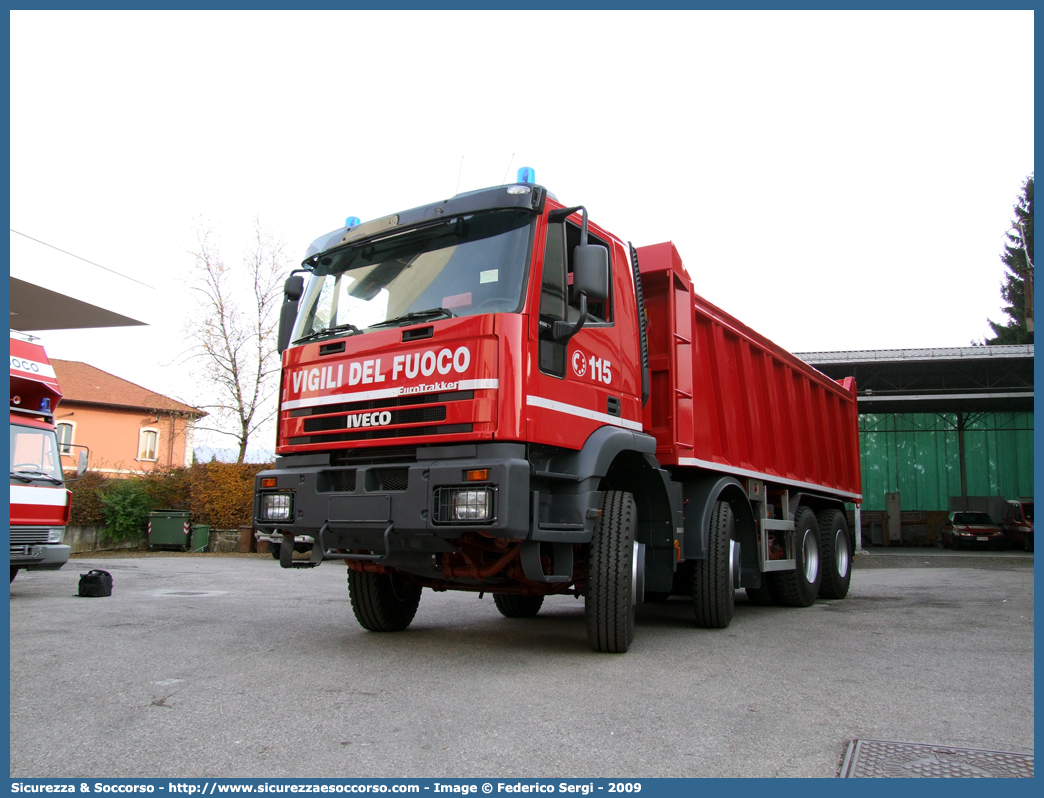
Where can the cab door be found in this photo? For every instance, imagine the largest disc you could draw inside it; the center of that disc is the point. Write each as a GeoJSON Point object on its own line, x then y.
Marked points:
{"type": "Point", "coordinates": [589, 381]}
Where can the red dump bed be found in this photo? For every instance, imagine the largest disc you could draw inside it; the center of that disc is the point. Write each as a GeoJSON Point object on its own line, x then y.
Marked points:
{"type": "Point", "coordinates": [728, 399]}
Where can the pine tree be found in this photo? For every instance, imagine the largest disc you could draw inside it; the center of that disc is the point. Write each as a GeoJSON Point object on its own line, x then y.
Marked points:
{"type": "Point", "coordinates": [1018, 276]}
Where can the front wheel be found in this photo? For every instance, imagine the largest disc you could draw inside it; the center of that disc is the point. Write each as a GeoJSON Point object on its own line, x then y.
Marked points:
{"type": "Point", "coordinates": [383, 603]}
{"type": "Point", "coordinates": [799, 588]}
{"type": "Point", "coordinates": [515, 606]}
{"type": "Point", "coordinates": [835, 554]}
{"type": "Point", "coordinates": [612, 579]}
{"type": "Point", "coordinates": [1027, 542]}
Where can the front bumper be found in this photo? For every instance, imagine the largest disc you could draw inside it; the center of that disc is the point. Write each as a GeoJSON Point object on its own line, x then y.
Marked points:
{"type": "Point", "coordinates": [977, 541]}
{"type": "Point", "coordinates": [391, 511]}
{"type": "Point", "coordinates": [40, 556]}
{"type": "Point", "coordinates": [354, 506]}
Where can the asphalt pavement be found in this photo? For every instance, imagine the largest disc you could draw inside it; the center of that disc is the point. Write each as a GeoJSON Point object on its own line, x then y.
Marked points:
{"type": "Point", "coordinates": [215, 666]}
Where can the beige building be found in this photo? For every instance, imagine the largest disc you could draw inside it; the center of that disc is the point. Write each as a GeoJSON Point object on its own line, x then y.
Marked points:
{"type": "Point", "coordinates": [128, 429]}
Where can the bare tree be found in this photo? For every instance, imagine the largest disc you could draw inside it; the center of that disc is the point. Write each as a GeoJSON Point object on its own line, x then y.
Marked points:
{"type": "Point", "coordinates": [234, 330]}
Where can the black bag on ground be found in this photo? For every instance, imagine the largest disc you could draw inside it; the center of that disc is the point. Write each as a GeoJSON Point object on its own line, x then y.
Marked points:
{"type": "Point", "coordinates": [96, 584]}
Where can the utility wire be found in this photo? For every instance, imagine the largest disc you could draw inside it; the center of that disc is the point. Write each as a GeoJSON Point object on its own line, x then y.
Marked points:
{"type": "Point", "coordinates": [113, 271]}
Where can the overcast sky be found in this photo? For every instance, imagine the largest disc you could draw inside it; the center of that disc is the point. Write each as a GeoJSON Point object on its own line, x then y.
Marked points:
{"type": "Point", "coordinates": [836, 180]}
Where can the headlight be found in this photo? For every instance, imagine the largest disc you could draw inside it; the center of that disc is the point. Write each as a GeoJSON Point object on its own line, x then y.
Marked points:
{"type": "Point", "coordinates": [55, 534]}
{"type": "Point", "coordinates": [277, 507]}
{"type": "Point", "coordinates": [463, 506]}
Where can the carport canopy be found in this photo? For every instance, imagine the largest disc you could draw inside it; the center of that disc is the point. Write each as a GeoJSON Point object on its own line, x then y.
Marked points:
{"type": "Point", "coordinates": [969, 379]}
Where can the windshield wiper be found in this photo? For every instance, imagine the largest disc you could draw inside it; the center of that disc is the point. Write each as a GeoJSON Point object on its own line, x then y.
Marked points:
{"type": "Point", "coordinates": [417, 315]}
{"type": "Point", "coordinates": [328, 331]}
{"type": "Point", "coordinates": [23, 475]}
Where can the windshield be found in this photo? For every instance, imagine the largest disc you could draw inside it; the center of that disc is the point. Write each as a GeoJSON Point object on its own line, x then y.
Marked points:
{"type": "Point", "coordinates": [34, 453]}
{"type": "Point", "coordinates": [971, 518]}
{"type": "Point", "coordinates": [466, 266]}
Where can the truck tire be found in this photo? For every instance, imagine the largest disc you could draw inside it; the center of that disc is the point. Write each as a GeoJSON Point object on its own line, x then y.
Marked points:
{"type": "Point", "coordinates": [1027, 541]}
{"type": "Point", "coordinates": [799, 588]}
{"type": "Point", "coordinates": [383, 603]}
{"type": "Point", "coordinates": [835, 554]}
{"type": "Point", "coordinates": [14, 571]}
{"type": "Point", "coordinates": [512, 605]}
{"type": "Point", "coordinates": [611, 584]}
{"type": "Point", "coordinates": [713, 594]}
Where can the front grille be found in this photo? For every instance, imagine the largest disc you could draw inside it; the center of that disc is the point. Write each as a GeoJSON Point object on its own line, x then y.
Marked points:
{"type": "Point", "coordinates": [393, 478]}
{"type": "Point", "coordinates": [25, 537]}
{"type": "Point", "coordinates": [377, 433]}
{"type": "Point", "coordinates": [416, 415]}
{"type": "Point", "coordinates": [377, 404]}
{"type": "Point", "coordinates": [374, 455]}
{"type": "Point", "coordinates": [337, 481]}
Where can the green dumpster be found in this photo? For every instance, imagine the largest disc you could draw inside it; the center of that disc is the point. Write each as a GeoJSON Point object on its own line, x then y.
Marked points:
{"type": "Point", "coordinates": [200, 537]}
{"type": "Point", "coordinates": [169, 529]}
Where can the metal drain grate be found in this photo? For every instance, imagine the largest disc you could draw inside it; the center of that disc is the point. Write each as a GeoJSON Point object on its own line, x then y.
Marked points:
{"type": "Point", "coordinates": [883, 759]}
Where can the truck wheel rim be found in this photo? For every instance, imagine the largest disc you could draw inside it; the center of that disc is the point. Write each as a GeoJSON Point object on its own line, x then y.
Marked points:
{"type": "Point", "coordinates": [811, 551]}
{"type": "Point", "coordinates": [841, 554]}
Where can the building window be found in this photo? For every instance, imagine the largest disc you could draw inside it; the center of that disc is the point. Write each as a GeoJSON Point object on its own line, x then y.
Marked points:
{"type": "Point", "coordinates": [148, 444]}
{"type": "Point", "coordinates": [65, 436]}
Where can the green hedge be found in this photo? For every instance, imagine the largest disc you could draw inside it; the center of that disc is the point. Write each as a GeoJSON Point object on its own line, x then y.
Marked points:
{"type": "Point", "coordinates": [220, 495]}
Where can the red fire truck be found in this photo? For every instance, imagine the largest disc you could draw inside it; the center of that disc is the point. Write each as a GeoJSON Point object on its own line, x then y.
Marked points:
{"type": "Point", "coordinates": [40, 502]}
{"type": "Point", "coordinates": [491, 393]}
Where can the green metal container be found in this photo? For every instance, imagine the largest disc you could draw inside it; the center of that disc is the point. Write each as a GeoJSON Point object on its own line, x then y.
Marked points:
{"type": "Point", "coordinates": [200, 537]}
{"type": "Point", "coordinates": [169, 529]}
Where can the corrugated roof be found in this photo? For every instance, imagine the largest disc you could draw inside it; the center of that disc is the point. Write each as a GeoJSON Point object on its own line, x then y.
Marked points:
{"type": "Point", "coordinates": [81, 382]}
{"type": "Point", "coordinates": [907, 355]}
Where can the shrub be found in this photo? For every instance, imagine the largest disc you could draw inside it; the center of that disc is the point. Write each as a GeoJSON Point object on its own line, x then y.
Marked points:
{"type": "Point", "coordinates": [218, 494]}
{"type": "Point", "coordinates": [125, 509]}
{"type": "Point", "coordinates": [86, 499]}
{"type": "Point", "coordinates": [223, 493]}
{"type": "Point", "coordinates": [168, 489]}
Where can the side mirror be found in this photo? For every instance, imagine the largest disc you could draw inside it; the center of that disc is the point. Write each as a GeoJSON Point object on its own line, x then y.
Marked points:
{"type": "Point", "coordinates": [81, 464]}
{"type": "Point", "coordinates": [591, 271]}
{"type": "Point", "coordinates": [590, 274]}
{"type": "Point", "coordinates": [292, 290]}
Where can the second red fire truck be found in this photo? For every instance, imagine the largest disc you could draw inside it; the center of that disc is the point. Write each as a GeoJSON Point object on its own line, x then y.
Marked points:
{"type": "Point", "coordinates": [40, 503]}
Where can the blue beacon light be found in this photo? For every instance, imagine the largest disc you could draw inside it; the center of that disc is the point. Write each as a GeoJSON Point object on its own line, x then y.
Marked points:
{"type": "Point", "coordinates": [45, 405]}
{"type": "Point", "coordinates": [526, 174]}
{"type": "Point", "coordinates": [352, 221]}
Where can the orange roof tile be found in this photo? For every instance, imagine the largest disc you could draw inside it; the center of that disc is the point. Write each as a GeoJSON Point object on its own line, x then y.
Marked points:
{"type": "Point", "coordinates": [81, 382]}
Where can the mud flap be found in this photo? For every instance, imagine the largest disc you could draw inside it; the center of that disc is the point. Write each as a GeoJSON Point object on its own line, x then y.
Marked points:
{"type": "Point", "coordinates": [563, 557]}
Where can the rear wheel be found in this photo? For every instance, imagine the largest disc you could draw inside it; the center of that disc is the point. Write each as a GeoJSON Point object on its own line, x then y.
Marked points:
{"type": "Point", "coordinates": [383, 603]}
{"type": "Point", "coordinates": [714, 597]}
{"type": "Point", "coordinates": [799, 588]}
{"type": "Point", "coordinates": [835, 554]}
{"type": "Point", "coordinates": [13, 572]}
{"type": "Point", "coordinates": [515, 606]}
{"type": "Point", "coordinates": [1027, 542]}
{"type": "Point", "coordinates": [612, 581]}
